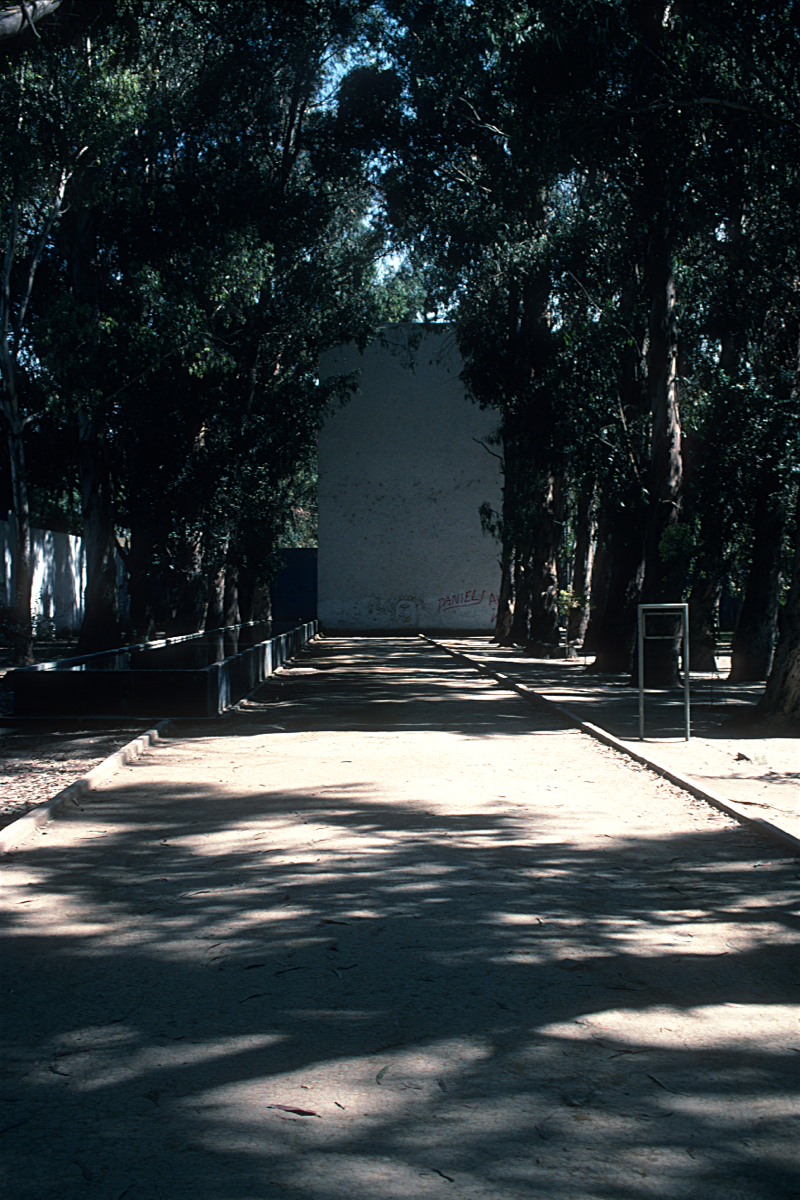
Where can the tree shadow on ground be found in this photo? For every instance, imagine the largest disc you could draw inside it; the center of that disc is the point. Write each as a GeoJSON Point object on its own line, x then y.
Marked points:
{"type": "Point", "coordinates": [462, 1011]}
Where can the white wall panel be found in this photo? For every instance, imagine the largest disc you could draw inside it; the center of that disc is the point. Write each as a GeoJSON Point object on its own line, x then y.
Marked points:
{"type": "Point", "coordinates": [401, 479]}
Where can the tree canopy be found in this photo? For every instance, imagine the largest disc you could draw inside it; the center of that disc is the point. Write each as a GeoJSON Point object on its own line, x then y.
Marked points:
{"type": "Point", "coordinates": [600, 195]}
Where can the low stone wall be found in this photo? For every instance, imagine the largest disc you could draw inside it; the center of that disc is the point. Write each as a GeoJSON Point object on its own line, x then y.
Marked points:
{"type": "Point", "coordinates": [121, 683]}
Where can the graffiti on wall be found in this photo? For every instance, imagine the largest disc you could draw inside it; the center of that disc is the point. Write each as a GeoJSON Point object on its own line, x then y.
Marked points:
{"type": "Point", "coordinates": [470, 598]}
{"type": "Point", "coordinates": [413, 611]}
{"type": "Point", "coordinates": [406, 610]}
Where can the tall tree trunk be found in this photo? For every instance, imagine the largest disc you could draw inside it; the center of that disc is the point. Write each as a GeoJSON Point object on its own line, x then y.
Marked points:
{"type": "Point", "coordinates": [518, 630]}
{"type": "Point", "coordinates": [703, 610]}
{"type": "Point", "coordinates": [231, 611]}
{"type": "Point", "coordinates": [141, 585]}
{"type": "Point", "coordinates": [192, 601]}
{"type": "Point", "coordinates": [100, 629]}
{"type": "Point", "coordinates": [754, 639]}
{"type": "Point", "coordinates": [708, 574]}
{"type": "Point", "coordinates": [583, 556]}
{"type": "Point", "coordinates": [217, 578]}
{"type": "Point", "coordinates": [611, 634]}
{"type": "Point", "coordinates": [22, 563]}
{"type": "Point", "coordinates": [601, 579]}
{"type": "Point", "coordinates": [191, 607]}
{"type": "Point", "coordinates": [617, 576]}
{"type": "Point", "coordinates": [215, 609]}
{"type": "Point", "coordinates": [15, 421]}
{"type": "Point", "coordinates": [663, 576]}
{"type": "Point", "coordinates": [505, 611]}
{"type": "Point", "coordinates": [781, 700]}
{"type": "Point", "coordinates": [543, 630]}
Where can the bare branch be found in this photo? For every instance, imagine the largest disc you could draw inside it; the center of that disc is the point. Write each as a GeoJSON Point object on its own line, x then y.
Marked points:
{"type": "Point", "coordinates": [478, 442]}
{"type": "Point", "coordinates": [688, 102]}
{"type": "Point", "coordinates": [14, 19]}
{"type": "Point", "coordinates": [481, 123]}
{"type": "Point", "coordinates": [39, 245]}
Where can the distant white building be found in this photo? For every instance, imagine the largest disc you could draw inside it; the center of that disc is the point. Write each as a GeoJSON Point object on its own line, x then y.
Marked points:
{"type": "Point", "coordinates": [59, 578]}
{"type": "Point", "coordinates": [402, 476]}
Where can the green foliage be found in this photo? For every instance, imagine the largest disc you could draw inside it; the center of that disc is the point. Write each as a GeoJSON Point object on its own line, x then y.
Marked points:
{"type": "Point", "coordinates": [213, 244]}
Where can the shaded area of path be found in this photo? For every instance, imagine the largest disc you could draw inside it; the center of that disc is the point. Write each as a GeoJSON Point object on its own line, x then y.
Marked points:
{"type": "Point", "coordinates": [386, 932]}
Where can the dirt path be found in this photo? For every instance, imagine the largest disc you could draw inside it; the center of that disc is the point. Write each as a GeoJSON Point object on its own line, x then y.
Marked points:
{"type": "Point", "coordinates": [759, 773]}
{"type": "Point", "coordinates": [39, 759]}
{"type": "Point", "coordinates": [392, 934]}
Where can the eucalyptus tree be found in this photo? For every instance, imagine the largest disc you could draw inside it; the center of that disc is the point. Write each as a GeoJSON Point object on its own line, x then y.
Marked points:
{"type": "Point", "coordinates": [60, 110]}
{"type": "Point", "coordinates": [537, 109]}
{"type": "Point", "coordinates": [221, 248]}
{"type": "Point", "coordinates": [639, 111]}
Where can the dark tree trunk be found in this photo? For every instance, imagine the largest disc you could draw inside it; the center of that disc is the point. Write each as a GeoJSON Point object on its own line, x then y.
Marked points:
{"type": "Point", "coordinates": [246, 597]}
{"type": "Point", "coordinates": [781, 700]}
{"type": "Point", "coordinates": [528, 606]}
{"type": "Point", "coordinates": [141, 584]}
{"type": "Point", "coordinates": [215, 610]}
{"type": "Point", "coordinates": [502, 628]}
{"type": "Point", "coordinates": [543, 631]}
{"type": "Point", "coordinates": [518, 630]}
{"type": "Point", "coordinates": [663, 576]}
{"type": "Point", "coordinates": [192, 601]}
{"type": "Point", "coordinates": [578, 616]}
{"type": "Point", "coordinates": [704, 512]}
{"type": "Point", "coordinates": [100, 628]}
{"type": "Point", "coordinates": [231, 611]}
{"type": "Point", "coordinates": [254, 598]}
{"type": "Point", "coordinates": [13, 312]}
{"type": "Point", "coordinates": [616, 591]}
{"type": "Point", "coordinates": [601, 579]}
{"type": "Point", "coordinates": [703, 618]}
{"type": "Point", "coordinates": [754, 639]}
{"type": "Point", "coordinates": [505, 613]}
{"type": "Point", "coordinates": [191, 606]}
{"type": "Point", "coordinates": [216, 615]}
{"type": "Point", "coordinates": [22, 563]}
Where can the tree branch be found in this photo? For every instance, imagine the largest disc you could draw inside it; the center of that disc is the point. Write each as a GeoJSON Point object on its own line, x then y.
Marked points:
{"type": "Point", "coordinates": [13, 20]}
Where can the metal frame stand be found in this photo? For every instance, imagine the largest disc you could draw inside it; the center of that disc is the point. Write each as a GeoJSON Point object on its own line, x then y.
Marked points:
{"type": "Point", "coordinates": [642, 611]}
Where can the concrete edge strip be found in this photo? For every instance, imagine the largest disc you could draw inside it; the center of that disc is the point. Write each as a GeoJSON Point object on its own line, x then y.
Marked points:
{"type": "Point", "coordinates": [684, 782]}
{"type": "Point", "coordinates": [20, 830]}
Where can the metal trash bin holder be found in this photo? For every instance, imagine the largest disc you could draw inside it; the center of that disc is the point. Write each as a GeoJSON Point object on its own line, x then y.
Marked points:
{"type": "Point", "coordinates": [642, 612]}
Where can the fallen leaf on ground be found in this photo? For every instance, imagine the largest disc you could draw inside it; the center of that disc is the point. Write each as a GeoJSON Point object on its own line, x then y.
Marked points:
{"type": "Point", "coordinates": [297, 1112]}
{"type": "Point", "coordinates": [666, 1088]}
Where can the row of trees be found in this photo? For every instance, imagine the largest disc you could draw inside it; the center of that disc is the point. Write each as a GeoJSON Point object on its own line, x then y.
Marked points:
{"type": "Point", "coordinates": [180, 241]}
{"type": "Point", "coordinates": [602, 195]}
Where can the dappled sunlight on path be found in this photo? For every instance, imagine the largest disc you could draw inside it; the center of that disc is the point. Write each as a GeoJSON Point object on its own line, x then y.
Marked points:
{"type": "Point", "coordinates": [441, 947]}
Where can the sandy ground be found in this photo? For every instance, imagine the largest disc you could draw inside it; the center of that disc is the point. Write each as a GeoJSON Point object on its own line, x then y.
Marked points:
{"type": "Point", "coordinates": [726, 753]}
{"type": "Point", "coordinates": [390, 933]}
{"type": "Point", "coordinates": [38, 759]}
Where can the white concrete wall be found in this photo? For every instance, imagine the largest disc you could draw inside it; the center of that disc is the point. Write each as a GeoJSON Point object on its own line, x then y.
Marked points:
{"type": "Point", "coordinates": [401, 480]}
{"type": "Point", "coordinates": [59, 576]}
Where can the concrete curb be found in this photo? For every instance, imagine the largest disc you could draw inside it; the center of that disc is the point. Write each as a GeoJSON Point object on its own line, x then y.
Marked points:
{"type": "Point", "coordinates": [788, 840]}
{"type": "Point", "coordinates": [20, 830]}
